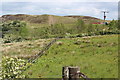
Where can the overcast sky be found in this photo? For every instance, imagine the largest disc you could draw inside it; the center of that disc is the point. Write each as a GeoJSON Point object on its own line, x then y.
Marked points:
{"type": "Point", "coordinates": [62, 8]}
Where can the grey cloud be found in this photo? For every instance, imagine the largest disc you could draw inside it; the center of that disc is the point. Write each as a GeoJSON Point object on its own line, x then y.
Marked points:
{"type": "Point", "coordinates": [63, 8]}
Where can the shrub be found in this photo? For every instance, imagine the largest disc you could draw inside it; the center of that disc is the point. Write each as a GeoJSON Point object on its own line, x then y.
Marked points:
{"type": "Point", "coordinates": [80, 26]}
{"type": "Point", "coordinates": [13, 67]}
{"type": "Point", "coordinates": [77, 42]}
{"type": "Point", "coordinates": [113, 24]}
{"type": "Point", "coordinates": [13, 25]}
{"type": "Point", "coordinates": [11, 31]}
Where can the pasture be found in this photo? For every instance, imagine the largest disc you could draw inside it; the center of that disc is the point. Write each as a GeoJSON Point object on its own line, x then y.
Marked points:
{"type": "Point", "coordinates": [96, 56]}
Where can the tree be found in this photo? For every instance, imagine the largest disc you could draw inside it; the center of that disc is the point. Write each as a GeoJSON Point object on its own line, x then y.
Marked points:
{"type": "Point", "coordinates": [113, 24]}
{"type": "Point", "coordinates": [13, 25]}
{"type": "Point", "coordinates": [15, 30]}
{"type": "Point", "coordinates": [80, 27]}
{"type": "Point", "coordinates": [90, 28]}
{"type": "Point", "coordinates": [57, 29]}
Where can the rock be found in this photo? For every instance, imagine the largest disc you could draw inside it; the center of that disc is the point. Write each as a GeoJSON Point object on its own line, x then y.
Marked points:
{"type": "Point", "coordinates": [59, 43]}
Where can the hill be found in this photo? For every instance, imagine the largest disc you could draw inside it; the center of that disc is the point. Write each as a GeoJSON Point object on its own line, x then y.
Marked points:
{"type": "Point", "coordinates": [41, 19]}
{"type": "Point", "coordinates": [85, 18]}
{"type": "Point", "coordinates": [48, 19]}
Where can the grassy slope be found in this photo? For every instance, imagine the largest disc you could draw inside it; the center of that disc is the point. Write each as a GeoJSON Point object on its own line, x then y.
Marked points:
{"type": "Point", "coordinates": [51, 19]}
{"type": "Point", "coordinates": [36, 21]}
{"type": "Point", "coordinates": [40, 19]}
{"type": "Point", "coordinates": [96, 56]}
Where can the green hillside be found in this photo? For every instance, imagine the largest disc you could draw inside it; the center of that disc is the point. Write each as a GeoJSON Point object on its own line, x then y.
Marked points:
{"type": "Point", "coordinates": [23, 27]}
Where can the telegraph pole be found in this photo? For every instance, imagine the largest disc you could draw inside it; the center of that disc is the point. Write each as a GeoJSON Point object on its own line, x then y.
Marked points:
{"type": "Point", "coordinates": [105, 15]}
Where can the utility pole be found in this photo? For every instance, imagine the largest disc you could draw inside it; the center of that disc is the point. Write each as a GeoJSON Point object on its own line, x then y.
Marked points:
{"type": "Point", "coordinates": [104, 14]}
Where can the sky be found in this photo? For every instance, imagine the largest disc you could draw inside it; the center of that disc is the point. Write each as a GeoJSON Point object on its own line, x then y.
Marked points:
{"type": "Point", "coordinates": [61, 7]}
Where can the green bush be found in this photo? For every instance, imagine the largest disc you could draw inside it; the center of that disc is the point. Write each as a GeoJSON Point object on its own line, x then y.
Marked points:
{"type": "Point", "coordinates": [12, 30]}
{"type": "Point", "coordinates": [80, 26]}
{"type": "Point", "coordinates": [113, 24]}
{"type": "Point", "coordinates": [13, 67]}
{"type": "Point", "coordinates": [20, 31]}
{"type": "Point", "coordinates": [12, 25]}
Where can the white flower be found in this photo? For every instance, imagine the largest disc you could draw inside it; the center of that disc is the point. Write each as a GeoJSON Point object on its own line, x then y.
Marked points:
{"type": "Point", "coordinates": [15, 72]}
{"type": "Point", "coordinates": [11, 59]}
{"type": "Point", "coordinates": [0, 78]}
{"type": "Point", "coordinates": [16, 67]}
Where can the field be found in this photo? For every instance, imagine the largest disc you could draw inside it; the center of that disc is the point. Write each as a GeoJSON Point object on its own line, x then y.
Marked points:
{"type": "Point", "coordinates": [25, 49]}
{"type": "Point", "coordinates": [96, 56]}
{"type": "Point", "coordinates": [92, 47]}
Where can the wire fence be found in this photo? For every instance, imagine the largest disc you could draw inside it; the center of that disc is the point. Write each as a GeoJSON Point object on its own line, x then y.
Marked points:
{"type": "Point", "coordinates": [34, 58]}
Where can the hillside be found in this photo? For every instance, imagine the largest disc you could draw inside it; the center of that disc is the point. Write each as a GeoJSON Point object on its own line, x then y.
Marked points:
{"type": "Point", "coordinates": [48, 19]}
{"type": "Point", "coordinates": [82, 17]}
{"type": "Point", "coordinates": [85, 18]}
{"type": "Point", "coordinates": [41, 19]}
{"type": "Point", "coordinates": [22, 26]}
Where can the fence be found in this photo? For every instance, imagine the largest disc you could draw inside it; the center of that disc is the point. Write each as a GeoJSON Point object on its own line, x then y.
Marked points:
{"type": "Point", "coordinates": [68, 72]}
{"type": "Point", "coordinates": [72, 73]}
{"type": "Point", "coordinates": [32, 59]}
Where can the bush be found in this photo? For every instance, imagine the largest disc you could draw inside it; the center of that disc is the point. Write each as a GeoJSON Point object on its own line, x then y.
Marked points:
{"type": "Point", "coordinates": [80, 26]}
{"type": "Point", "coordinates": [13, 67]}
{"type": "Point", "coordinates": [13, 31]}
{"type": "Point", "coordinates": [113, 24]}
{"type": "Point", "coordinates": [12, 25]}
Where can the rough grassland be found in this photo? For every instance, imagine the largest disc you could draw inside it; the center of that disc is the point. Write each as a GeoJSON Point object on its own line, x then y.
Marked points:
{"type": "Point", "coordinates": [24, 49]}
{"type": "Point", "coordinates": [97, 57]}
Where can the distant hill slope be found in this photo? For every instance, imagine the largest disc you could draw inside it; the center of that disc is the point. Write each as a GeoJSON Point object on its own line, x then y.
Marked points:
{"type": "Point", "coordinates": [85, 18]}
{"type": "Point", "coordinates": [48, 19]}
{"type": "Point", "coordinates": [42, 19]}
{"type": "Point", "coordinates": [82, 17]}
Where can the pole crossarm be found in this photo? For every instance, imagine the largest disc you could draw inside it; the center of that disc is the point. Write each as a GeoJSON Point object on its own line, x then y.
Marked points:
{"type": "Point", "coordinates": [104, 14]}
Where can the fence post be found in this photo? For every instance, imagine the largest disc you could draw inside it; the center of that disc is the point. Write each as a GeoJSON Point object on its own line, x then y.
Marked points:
{"type": "Point", "coordinates": [65, 73]}
{"type": "Point", "coordinates": [74, 73]}
{"type": "Point", "coordinates": [71, 73]}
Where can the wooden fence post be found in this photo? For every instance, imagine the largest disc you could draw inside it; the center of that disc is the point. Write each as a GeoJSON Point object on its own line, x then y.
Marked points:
{"type": "Point", "coordinates": [74, 73]}
{"type": "Point", "coordinates": [71, 73]}
{"type": "Point", "coordinates": [65, 73]}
